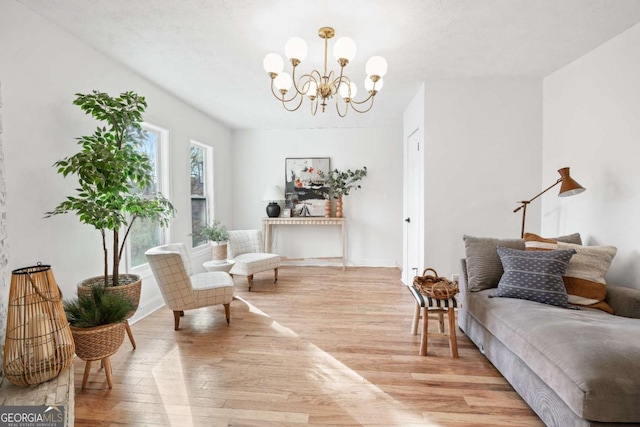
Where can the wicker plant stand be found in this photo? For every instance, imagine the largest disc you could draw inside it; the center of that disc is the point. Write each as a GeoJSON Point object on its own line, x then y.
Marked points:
{"type": "Point", "coordinates": [98, 343]}
{"type": "Point", "coordinates": [130, 290]}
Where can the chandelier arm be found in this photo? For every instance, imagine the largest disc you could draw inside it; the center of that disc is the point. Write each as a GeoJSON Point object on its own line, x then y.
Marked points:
{"type": "Point", "coordinates": [339, 79]}
{"type": "Point", "coordinates": [371, 97]}
{"type": "Point", "coordinates": [300, 80]}
{"type": "Point", "coordinates": [346, 110]}
{"type": "Point", "coordinates": [292, 109]}
{"type": "Point", "coordinates": [282, 99]}
{"type": "Point", "coordinates": [364, 101]}
{"type": "Point", "coordinates": [314, 110]}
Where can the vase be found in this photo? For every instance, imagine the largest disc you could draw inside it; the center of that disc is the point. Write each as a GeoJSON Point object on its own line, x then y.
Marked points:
{"type": "Point", "coordinates": [327, 208]}
{"type": "Point", "coordinates": [339, 207]}
{"type": "Point", "coordinates": [219, 252]}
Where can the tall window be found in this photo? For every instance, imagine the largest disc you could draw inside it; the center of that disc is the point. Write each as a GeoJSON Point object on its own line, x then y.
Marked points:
{"type": "Point", "coordinates": [201, 162]}
{"type": "Point", "coordinates": [146, 234]}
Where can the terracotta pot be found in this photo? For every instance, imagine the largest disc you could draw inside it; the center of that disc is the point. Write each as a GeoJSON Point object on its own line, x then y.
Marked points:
{"type": "Point", "coordinates": [327, 208]}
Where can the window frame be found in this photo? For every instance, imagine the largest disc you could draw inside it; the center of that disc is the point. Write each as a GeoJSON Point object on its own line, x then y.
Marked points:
{"type": "Point", "coordinates": [209, 185]}
{"type": "Point", "coordinates": [164, 187]}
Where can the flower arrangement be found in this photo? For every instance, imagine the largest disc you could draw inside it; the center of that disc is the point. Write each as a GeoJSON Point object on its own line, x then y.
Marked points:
{"type": "Point", "coordinates": [341, 183]}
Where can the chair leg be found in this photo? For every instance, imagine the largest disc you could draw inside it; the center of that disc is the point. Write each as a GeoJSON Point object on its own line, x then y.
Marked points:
{"type": "Point", "coordinates": [250, 281]}
{"type": "Point", "coordinates": [87, 370]}
{"type": "Point", "coordinates": [130, 334]}
{"type": "Point", "coordinates": [275, 272]}
{"type": "Point", "coordinates": [441, 322]}
{"type": "Point", "coordinates": [416, 320]}
{"type": "Point", "coordinates": [107, 370]}
{"type": "Point", "coordinates": [227, 312]}
{"type": "Point", "coordinates": [453, 344]}
{"type": "Point", "coordinates": [425, 328]}
{"type": "Point", "coordinates": [176, 319]}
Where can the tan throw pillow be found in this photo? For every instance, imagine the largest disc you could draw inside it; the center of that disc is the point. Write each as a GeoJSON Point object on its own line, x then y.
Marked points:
{"type": "Point", "coordinates": [584, 278]}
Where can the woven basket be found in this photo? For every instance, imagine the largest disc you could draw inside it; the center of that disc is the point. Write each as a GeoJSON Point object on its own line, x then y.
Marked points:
{"type": "Point", "coordinates": [98, 342]}
{"type": "Point", "coordinates": [38, 344]}
{"type": "Point", "coordinates": [434, 286]}
{"type": "Point", "coordinates": [129, 290]}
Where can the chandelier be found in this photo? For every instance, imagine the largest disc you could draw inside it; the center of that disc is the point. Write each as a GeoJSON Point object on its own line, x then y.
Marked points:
{"type": "Point", "coordinates": [321, 87]}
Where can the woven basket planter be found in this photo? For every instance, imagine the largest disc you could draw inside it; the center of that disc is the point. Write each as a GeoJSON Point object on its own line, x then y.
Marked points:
{"type": "Point", "coordinates": [131, 287]}
{"type": "Point", "coordinates": [98, 342]}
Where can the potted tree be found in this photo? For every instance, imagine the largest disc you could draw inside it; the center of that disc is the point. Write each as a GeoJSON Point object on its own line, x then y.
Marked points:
{"type": "Point", "coordinates": [341, 183]}
{"type": "Point", "coordinates": [218, 235]}
{"type": "Point", "coordinates": [113, 181]}
{"type": "Point", "coordinates": [97, 324]}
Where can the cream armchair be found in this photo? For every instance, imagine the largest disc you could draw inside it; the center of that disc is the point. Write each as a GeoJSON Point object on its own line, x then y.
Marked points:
{"type": "Point", "coordinates": [183, 290]}
{"type": "Point", "coordinates": [245, 247]}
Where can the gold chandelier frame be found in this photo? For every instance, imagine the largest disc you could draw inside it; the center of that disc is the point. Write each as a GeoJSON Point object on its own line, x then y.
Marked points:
{"type": "Point", "coordinates": [320, 88]}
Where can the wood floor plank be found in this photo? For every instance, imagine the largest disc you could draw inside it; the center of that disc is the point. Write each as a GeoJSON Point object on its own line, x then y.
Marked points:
{"type": "Point", "coordinates": [322, 347]}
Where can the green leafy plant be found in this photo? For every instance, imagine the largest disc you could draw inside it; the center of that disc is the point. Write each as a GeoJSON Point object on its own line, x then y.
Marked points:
{"type": "Point", "coordinates": [215, 232]}
{"type": "Point", "coordinates": [114, 176]}
{"type": "Point", "coordinates": [341, 183]}
{"type": "Point", "coordinates": [101, 308]}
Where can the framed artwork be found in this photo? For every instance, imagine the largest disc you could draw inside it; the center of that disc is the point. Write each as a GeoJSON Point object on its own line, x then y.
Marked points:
{"type": "Point", "coordinates": [305, 185]}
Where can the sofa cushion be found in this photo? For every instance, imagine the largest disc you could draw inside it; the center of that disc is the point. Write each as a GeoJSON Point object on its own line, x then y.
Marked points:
{"type": "Point", "coordinates": [584, 278]}
{"type": "Point", "coordinates": [588, 357]}
{"type": "Point", "coordinates": [483, 263]}
{"type": "Point", "coordinates": [534, 276]}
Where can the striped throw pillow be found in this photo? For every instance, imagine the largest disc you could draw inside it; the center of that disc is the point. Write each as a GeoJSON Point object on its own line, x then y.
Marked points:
{"type": "Point", "coordinates": [584, 279]}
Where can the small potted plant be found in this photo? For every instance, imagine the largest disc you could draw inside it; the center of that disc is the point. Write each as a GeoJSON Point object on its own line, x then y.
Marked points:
{"type": "Point", "coordinates": [98, 325]}
{"type": "Point", "coordinates": [341, 183]}
{"type": "Point", "coordinates": [218, 235]}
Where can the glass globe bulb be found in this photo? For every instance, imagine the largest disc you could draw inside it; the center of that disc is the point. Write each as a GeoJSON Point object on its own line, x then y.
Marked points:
{"type": "Point", "coordinates": [376, 66]}
{"type": "Point", "coordinates": [283, 81]}
{"type": "Point", "coordinates": [348, 90]}
{"type": "Point", "coordinates": [344, 48]}
{"type": "Point", "coordinates": [273, 63]}
{"type": "Point", "coordinates": [368, 84]}
{"type": "Point", "coordinates": [296, 48]}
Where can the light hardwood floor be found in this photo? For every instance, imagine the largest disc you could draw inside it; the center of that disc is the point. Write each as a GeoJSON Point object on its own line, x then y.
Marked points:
{"type": "Point", "coordinates": [322, 347]}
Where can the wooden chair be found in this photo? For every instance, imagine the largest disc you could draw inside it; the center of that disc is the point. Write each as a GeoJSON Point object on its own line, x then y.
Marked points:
{"type": "Point", "coordinates": [245, 248]}
{"type": "Point", "coordinates": [183, 290]}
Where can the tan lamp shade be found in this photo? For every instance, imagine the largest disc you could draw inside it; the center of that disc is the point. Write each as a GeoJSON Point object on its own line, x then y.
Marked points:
{"type": "Point", "coordinates": [569, 186]}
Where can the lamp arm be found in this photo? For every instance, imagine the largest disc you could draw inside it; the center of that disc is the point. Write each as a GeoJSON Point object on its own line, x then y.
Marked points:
{"type": "Point", "coordinates": [526, 202]}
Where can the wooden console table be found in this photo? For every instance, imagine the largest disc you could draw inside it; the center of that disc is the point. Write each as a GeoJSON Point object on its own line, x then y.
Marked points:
{"type": "Point", "coordinates": [269, 223]}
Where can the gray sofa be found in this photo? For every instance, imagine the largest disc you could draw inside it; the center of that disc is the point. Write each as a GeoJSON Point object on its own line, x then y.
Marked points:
{"type": "Point", "coordinates": [573, 367]}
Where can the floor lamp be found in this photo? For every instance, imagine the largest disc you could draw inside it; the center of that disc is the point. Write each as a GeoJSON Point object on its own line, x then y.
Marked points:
{"type": "Point", "coordinates": [569, 187]}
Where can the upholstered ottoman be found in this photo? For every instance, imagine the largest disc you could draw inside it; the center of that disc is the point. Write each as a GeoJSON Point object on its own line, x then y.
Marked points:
{"type": "Point", "coordinates": [251, 263]}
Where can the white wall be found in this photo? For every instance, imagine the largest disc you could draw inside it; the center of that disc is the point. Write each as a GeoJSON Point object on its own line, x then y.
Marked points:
{"type": "Point", "coordinates": [42, 68]}
{"type": "Point", "coordinates": [592, 124]}
{"type": "Point", "coordinates": [482, 154]}
{"type": "Point", "coordinates": [374, 213]}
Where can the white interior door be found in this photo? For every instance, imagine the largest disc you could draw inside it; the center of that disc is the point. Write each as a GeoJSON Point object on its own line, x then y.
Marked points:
{"type": "Point", "coordinates": [413, 218]}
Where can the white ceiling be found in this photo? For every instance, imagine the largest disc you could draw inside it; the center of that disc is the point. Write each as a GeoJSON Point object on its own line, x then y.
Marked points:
{"type": "Point", "coordinates": [209, 52]}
